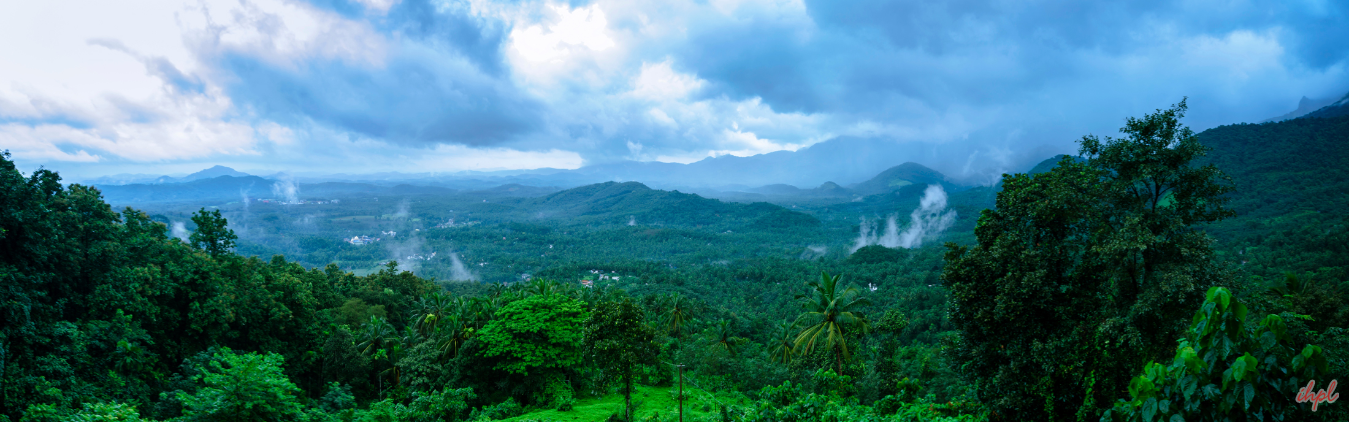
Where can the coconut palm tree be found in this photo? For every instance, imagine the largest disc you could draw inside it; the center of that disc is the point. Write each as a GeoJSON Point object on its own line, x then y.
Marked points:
{"type": "Point", "coordinates": [724, 337]}
{"type": "Point", "coordinates": [680, 312]}
{"type": "Point", "coordinates": [429, 311]}
{"type": "Point", "coordinates": [452, 334]}
{"type": "Point", "coordinates": [830, 314]}
{"type": "Point", "coordinates": [376, 333]}
{"type": "Point", "coordinates": [783, 342]}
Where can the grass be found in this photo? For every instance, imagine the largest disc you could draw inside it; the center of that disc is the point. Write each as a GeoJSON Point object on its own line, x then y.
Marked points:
{"type": "Point", "coordinates": [655, 400]}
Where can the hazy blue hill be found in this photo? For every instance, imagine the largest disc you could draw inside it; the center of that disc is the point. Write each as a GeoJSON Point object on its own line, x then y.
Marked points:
{"type": "Point", "coordinates": [335, 189]}
{"type": "Point", "coordinates": [222, 188]}
{"type": "Point", "coordinates": [843, 160]}
{"type": "Point", "coordinates": [406, 189]}
{"type": "Point", "coordinates": [778, 189]}
{"type": "Point", "coordinates": [830, 189]}
{"type": "Point", "coordinates": [899, 176]}
{"type": "Point", "coordinates": [1304, 106]}
{"type": "Point", "coordinates": [214, 172]}
{"type": "Point", "coordinates": [518, 190]}
{"type": "Point", "coordinates": [620, 203]}
{"type": "Point", "coordinates": [1336, 109]}
{"type": "Point", "coordinates": [1047, 165]}
{"type": "Point", "coordinates": [123, 179]}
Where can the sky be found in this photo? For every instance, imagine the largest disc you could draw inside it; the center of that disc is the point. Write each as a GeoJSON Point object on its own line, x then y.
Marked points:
{"type": "Point", "coordinates": [92, 88]}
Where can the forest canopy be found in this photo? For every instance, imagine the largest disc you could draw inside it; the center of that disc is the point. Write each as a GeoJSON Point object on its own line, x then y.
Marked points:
{"type": "Point", "coordinates": [1124, 284]}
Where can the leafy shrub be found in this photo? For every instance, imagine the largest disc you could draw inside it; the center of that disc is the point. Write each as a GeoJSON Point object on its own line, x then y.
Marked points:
{"type": "Point", "coordinates": [242, 387]}
{"type": "Point", "coordinates": [506, 409]}
{"type": "Point", "coordinates": [107, 412]}
{"type": "Point", "coordinates": [1224, 370]}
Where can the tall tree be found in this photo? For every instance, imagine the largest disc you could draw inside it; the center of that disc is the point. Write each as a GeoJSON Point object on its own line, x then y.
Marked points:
{"type": "Point", "coordinates": [782, 342]}
{"type": "Point", "coordinates": [212, 235]}
{"type": "Point", "coordinates": [680, 311]}
{"type": "Point", "coordinates": [539, 332]}
{"type": "Point", "coordinates": [831, 314]}
{"type": "Point", "coordinates": [1085, 272]}
{"type": "Point", "coordinates": [247, 387]}
{"type": "Point", "coordinates": [619, 341]}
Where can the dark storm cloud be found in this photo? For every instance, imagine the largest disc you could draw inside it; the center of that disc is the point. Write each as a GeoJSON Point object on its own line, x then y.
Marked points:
{"type": "Point", "coordinates": [1028, 78]}
{"type": "Point", "coordinates": [765, 59]}
{"type": "Point", "coordinates": [444, 81]}
{"type": "Point", "coordinates": [972, 52]}
{"type": "Point", "coordinates": [411, 100]}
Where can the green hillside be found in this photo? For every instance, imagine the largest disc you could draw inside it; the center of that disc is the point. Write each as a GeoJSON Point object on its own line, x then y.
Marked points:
{"type": "Point", "coordinates": [413, 303]}
{"type": "Point", "coordinates": [897, 177]}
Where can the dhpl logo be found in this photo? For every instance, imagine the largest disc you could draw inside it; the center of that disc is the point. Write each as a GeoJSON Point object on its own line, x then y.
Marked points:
{"type": "Point", "coordinates": [1309, 394]}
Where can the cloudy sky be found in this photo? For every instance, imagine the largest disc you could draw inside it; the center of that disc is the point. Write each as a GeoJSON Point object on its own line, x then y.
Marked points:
{"type": "Point", "coordinates": [90, 88]}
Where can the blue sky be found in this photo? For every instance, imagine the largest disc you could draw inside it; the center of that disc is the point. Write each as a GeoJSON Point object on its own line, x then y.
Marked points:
{"type": "Point", "coordinates": [90, 88]}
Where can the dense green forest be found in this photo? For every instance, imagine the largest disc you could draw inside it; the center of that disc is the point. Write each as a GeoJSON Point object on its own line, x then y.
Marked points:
{"type": "Point", "coordinates": [1163, 275]}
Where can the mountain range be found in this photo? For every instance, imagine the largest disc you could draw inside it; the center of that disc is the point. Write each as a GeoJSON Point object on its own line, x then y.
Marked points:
{"type": "Point", "coordinates": [858, 167]}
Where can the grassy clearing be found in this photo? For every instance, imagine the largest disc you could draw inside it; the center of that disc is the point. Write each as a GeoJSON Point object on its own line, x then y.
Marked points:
{"type": "Point", "coordinates": [700, 406]}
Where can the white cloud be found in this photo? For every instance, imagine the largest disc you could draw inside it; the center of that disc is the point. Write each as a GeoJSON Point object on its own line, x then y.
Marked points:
{"type": "Point", "coordinates": [283, 33]}
{"type": "Point", "coordinates": [378, 6]}
{"type": "Point", "coordinates": [662, 118]}
{"type": "Point", "coordinates": [579, 27]}
{"type": "Point", "coordinates": [660, 82]}
{"type": "Point", "coordinates": [106, 82]}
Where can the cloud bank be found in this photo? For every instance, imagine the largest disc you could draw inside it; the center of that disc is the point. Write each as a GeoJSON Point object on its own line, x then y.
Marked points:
{"type": "Point", "coordinates": [980, 86]}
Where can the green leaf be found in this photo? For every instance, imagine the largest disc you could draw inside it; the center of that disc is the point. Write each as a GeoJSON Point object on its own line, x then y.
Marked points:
{"type": "Point", "coordinates": [1249, 394]}
{"type": "Point", "coordinates": [1149, 409]}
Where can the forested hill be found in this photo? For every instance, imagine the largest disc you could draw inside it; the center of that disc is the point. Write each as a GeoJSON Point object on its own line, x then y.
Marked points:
{"type": "Point", "coordinates": [1335, 109]}
{"type": "Point", "coordinates": [1291, 192]}
{"type": "Point", "coordinates": [772, 314]}
{"type": "Point", "coordinates": [1280, 168]}
{"type": "Point", "coordinates": [614, 202]}
{"type": "Point", "coordinates": [899, 176]}
{"type": "Point", "coordinates": [1289, 166]}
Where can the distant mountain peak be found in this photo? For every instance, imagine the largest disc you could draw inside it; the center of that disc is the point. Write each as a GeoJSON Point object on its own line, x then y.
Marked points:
{"type": "Point", "coordinates": [214, 172]}
{"type": "Point", "coordinates": [1335, 109]}
{"type": "Point", "coordinates": [1306, 107]}
{"type": "Point", "coordinates": [899, 176]}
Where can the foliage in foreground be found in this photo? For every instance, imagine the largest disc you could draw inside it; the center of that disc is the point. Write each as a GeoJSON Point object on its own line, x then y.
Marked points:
{"type": "Point", "coordinates": [1083, 273]}
{"type": "Point", "coordinates": [1225, 370]}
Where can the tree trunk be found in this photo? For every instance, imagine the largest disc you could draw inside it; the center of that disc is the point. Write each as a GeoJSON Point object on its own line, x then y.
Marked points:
{"type": "Point", "coordinates": [838, 359]}
{"type": "Point", "coordinates": [627, 395]}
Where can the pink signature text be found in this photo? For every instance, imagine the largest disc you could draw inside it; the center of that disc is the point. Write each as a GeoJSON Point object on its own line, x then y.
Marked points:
{"type": "Point", "coordinates": [1309, 394]}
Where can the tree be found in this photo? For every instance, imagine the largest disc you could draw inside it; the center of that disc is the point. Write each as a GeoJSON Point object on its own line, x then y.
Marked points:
{"type": "Point", "coordinates": [537, 332]}
{"type": "Point", "coordinates": [107, 412]}
{"type": "Point", "coordinates": [618, 341]}
{"type": "Point", "coordinates": [782, 342]}
{"type": "Point", "coordinates": [212, 235]}
{"type": "Point", "coordinates": [723, 337]}
{"type": "Point", "coordinates": [680, 312]}
{"type": "Point", "coordinates": [833, 314]}
{"type": "Point", "coordinates": [242, 387]}
{"type": "Point", "coordinates": [1224, 370]}
{"type": "Point", "coordinates": [1083, 272]}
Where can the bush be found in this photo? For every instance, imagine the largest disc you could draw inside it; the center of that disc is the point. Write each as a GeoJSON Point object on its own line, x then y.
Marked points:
{"type": "Point", "coordinates": [242, 387]}
{"type": "Point", "coordinates": [506, 409]}
{"type": "Point", "coordinates": [1224, 370]}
